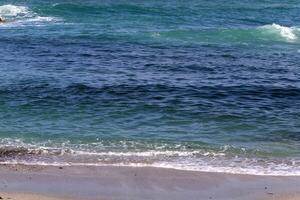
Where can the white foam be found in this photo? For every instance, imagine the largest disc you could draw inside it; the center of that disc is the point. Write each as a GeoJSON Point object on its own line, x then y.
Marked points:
{"type": "Point", "coordinates": [287, 33]}
{"type": "Point", "coordinates": [151, 153]}
{"type": "Point", "coordinates": [42, 19]}
{"type": "Point", "coordinates": [251, 170]}
{"type": "Point", "coordinates": [221, 161]}
{"type": "Point", "coordinates": [22, 16]}
{"type": "Point", "coordinates": [13, 11]}
{"type": "Point", "coordinates": [155, 35]}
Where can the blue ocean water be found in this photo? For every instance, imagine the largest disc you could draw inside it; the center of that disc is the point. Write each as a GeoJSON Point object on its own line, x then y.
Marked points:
{"type": "Point", "coordinates": [198, 85]}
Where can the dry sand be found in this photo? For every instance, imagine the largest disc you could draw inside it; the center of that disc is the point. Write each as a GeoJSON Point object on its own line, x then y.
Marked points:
{"type": "Point", "coordinates": [128, 183]}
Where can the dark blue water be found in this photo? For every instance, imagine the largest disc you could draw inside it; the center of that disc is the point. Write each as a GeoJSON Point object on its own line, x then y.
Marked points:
{"type": "Point", "coordinates": [198, 85]}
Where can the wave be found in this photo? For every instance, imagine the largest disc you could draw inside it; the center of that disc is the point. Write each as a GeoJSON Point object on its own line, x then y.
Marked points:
{"type": "Point", "coordinates": [225, 159]}
{"type": "Point", "coordinates": [114, 8]}
{"type": "Point", "coordinates": [288, 33]}
{"type": "Point", "coordinates": [146, 91]}
{"type": "Point", "coordinates": [8, 11]}
{"type": "Point", "coordinates": [190, 161]}
{"type": "Point", "coordinates": [257, 35]}
{"type": "Point", "coordinates": [22, 15]}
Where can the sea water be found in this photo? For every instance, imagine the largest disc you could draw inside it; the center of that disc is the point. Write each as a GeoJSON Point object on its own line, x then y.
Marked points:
{"type": "Point", "coordinates": [193, 85]}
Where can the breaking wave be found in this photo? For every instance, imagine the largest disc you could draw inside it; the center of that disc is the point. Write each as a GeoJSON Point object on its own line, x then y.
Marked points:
{"type": "Point", "coordinates": [22, 15]}
{"type": "Point", "coordinates": [287, 33]}
{"type": "Point", "coordinates": [207, 160]}
{"type": "Point", "coordinates": [255, 35]}
{"type": "Point", "coordinates": [10, 11]}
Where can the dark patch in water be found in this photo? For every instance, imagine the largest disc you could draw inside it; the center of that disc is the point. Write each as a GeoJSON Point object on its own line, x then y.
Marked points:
{"type": "Point", "coordinates": [14, 151]}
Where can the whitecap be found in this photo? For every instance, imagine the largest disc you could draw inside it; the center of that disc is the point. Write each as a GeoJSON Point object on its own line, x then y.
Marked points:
{"type": "Point", "coordinates": [286, 33]}
{"type": "Point", "coordinates": [10, 11]}
{"type": "Point", "coordinates": [22, 16]}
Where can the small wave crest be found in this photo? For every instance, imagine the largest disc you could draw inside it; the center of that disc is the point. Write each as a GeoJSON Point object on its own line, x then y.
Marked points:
{"type": "Point", "coordinates": [21, 15]}
{"type": "Point", "coordinates": [287, 33]}
{"type": "Point", "coordinates": [8, 11]}
{"type": "Point", "coordinates": [267, 34]}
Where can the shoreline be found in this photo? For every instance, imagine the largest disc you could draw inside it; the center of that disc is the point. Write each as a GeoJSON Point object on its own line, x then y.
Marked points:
{"type": "Point", "coordinates": [135, 183]}
{"type": "Point", "coordinates": [83, 165]}
{"type": "Point", "coordinates": [190, 160]}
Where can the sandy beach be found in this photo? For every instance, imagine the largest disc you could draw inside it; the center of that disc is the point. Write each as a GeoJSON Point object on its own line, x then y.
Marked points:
{"type": "Point", "coordinates": [129, 183]}
{"type": "Point", "coordinates": [27, 196]}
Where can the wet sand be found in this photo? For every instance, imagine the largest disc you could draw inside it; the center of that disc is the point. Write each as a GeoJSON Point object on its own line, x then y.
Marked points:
{"type": "Point", "coordinates": [24, 196]}
{"type": "Point", "coordinates": [128, 183]}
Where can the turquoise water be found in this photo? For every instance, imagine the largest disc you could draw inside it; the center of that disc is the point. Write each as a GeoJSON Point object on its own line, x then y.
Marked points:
{"type": "Point", "coordinates": [198, 85]}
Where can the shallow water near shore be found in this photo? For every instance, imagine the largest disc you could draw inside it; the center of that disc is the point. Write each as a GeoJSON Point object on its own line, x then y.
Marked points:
{"type": "Point", "coordinates": [208, 86]}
